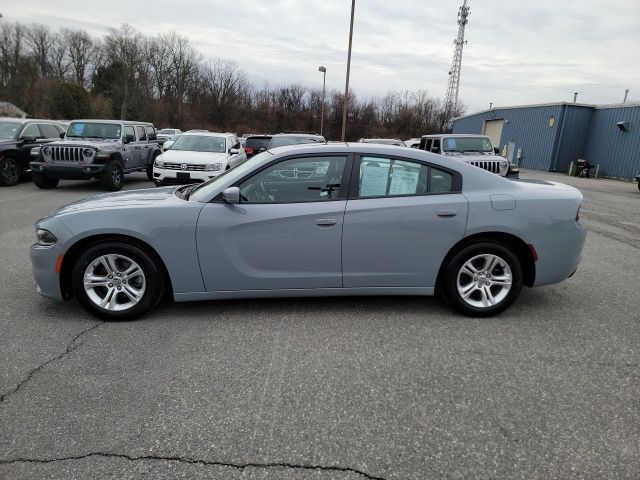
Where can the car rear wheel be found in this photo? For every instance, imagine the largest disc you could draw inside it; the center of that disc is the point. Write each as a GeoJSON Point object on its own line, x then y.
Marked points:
{"type": "Point", "coordinates": [117, 281]}
{"type": "Point", "coordinates": [9, 172]}
{"type": "Point", "coordinates": [113, 176]}
{"type": "Point", "coordinates": [483, 279]}
{"type": "Point", "coordinates": [41, 180]}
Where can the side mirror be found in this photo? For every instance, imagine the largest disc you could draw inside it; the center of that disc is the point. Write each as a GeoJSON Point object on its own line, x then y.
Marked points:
{"type": "Point", "coordinates": [128, 138]}
{"type": "Point", "coordinates": [496, 150]}
{"type": "Point", "coordinates": [435, 150]}
{"type": "Point", "coordinates": [234, 151]}
{"type": "Point", "coordinates": [28, 138]}
{"type": "Point", "coordinates": [62, 134]}
{"type": "Point", "coordinates": [231, 195]}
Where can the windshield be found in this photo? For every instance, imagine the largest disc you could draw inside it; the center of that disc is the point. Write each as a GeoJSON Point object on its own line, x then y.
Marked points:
{"type": "Point", "coordinates": [9, 130]}
{"type": "Point", "coordinates": [204, 190]}
{"type": "Point", "coordinates": [167, 131]}
{"type": "Point", "coordinates": [200, 143]}
{"type": "Point", "coordinates": [94, 130]}
{"type": "Point", "coordinates": [257, 142]}
{"type": "Point", "coordinates": [468, 144]}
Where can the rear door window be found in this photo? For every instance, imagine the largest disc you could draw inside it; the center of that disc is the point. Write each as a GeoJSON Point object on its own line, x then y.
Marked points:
{"type": "Point", "coordinates": [142, 136]}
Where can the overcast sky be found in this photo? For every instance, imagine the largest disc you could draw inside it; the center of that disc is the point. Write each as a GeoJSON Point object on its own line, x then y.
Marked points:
{"type": "Point", "coordinates": [518, 51]}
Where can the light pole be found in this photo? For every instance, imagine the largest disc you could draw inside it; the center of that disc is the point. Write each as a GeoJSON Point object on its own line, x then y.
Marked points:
{"type": "Point", "coordinates": [346, 88]}
{"type": "Point", "coordinates": [324, 81]}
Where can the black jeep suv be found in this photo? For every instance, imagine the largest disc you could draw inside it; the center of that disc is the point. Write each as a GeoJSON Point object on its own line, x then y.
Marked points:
{"type": "Point", "coordinates": [18, 138]}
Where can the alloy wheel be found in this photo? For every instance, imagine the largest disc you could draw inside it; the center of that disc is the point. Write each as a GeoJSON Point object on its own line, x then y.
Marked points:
{"type": "Point", "coordinates": [114, 282]}
{"type": "Point", "coordinates": [484, 280]}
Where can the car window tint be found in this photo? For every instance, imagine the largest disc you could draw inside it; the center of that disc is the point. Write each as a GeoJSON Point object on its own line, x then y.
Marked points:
{"type": "Point", "coordinates": [31, 130]}
{"type": "Point", "coordinates": [142, 136]}
{"type": "Point", "coordinates": [440, 181]}
{"type": "Point", "coordinates": [308, 179]}
{"type": "Point", "coordinates": [389, 177]}
{"type": "Point", "coordinates": [49, 130]}
{"type": "Point", "coordinates": [129, 131]}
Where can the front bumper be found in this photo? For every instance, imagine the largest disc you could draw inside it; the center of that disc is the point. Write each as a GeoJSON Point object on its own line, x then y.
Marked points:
{"type": "Point", "coordinates": [69, 172]}
{"type": "Point", "coordinates": [163, 176]}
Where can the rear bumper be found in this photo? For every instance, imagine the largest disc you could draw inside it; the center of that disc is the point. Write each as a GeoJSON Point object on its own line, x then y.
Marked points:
{"type": "Point", "coordinates": [559, 252]}
{"type": "Point", "coordinates": [70, 172]}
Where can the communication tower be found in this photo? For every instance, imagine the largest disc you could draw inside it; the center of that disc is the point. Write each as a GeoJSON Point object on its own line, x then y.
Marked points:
{"type": "Point", "coordinates": [451, 100]}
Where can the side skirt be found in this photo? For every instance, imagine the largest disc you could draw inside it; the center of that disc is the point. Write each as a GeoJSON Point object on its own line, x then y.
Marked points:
{"type": "Point", "coordinates": [303, 292]}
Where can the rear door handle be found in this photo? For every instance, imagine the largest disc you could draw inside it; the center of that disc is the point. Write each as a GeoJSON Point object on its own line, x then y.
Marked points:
{"type": "Point", "coordinates": [326, 222]}
{"type": "Point", "coordinates": [447, 213]}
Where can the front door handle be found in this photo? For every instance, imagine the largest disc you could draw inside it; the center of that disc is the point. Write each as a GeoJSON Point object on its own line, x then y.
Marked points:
{"type": "Point", "coordinates": [447, 213]}
{"type": "Point", "coordinates": [326, 222]}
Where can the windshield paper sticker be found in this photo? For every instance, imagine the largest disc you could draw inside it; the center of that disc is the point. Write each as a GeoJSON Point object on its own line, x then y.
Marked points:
{"type": "Point", "coordinates": [374, 178]}
{"type": "Point", "coordinates": [451, 144]}
{"type": "Point", "coordinates": [404, 181]}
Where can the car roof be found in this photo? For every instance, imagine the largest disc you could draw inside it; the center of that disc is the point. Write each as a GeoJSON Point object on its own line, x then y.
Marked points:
{"type": "Point", "coordinates": [206, 134]}
{"type": "Point", "coordinates": [438, 135]}
{"type": "Point", "coordinates": [27, 120]}
{"type": "Point", "coordinates": [298, 135]}
{"type": "Point", "coordinates": [115, 122]}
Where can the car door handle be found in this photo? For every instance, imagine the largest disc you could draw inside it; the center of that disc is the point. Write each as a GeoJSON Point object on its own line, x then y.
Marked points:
{"type": "Point", "coordinates": [326, 222]}
{"type": "Point", "coordinates": [137, 147]}
{"type": "Point", "coordinates": [447, 213]}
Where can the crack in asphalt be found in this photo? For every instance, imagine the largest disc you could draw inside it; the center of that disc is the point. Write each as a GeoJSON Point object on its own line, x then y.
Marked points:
{"type": "Point", "coordinates": [71, 346]}
{"type": "Point", "coordinates": [193, 461]}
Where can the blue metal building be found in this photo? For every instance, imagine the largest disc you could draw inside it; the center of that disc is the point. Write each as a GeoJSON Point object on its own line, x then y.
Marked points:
{"type": "Point", "coordinates": [549, 137]}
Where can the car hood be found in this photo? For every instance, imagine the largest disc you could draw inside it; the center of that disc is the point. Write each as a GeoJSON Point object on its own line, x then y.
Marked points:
{"type": "Point", "coordinates": [81, 142]}
{"type": "Point", "coordinates": [183, 156]}
{"type": "Point", "coordinates": [131, 198]}
{"type": "Point", "coordinates": [8, 142]}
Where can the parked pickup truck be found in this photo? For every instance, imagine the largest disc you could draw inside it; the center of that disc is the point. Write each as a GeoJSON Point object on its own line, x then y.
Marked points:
{"type": "Point", "coordinates": [102, 149]}
{"type": "Point", "coordinates": [474, 149]}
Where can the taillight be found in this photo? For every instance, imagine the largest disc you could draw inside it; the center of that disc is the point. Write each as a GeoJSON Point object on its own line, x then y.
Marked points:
{"type": "Point", "coordinates": [248, 150]}
{"type": "Point", "coordinates": [532, 251]}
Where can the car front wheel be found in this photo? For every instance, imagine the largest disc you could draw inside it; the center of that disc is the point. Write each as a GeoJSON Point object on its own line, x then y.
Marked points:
{"type": "Point", "coordinates": [9, 172]}
{"type": "Point", "coordinates": [41, 180]}
{"type": "Point", "coordinates": [113, 176]}
{"type": "Point", "coordinates": [117, 281]}
{"type": "Point", "coordinates": [483, 279]}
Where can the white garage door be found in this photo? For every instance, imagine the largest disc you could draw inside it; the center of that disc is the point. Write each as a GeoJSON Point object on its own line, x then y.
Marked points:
{"type": "Point", "coordinates": [493, 129]}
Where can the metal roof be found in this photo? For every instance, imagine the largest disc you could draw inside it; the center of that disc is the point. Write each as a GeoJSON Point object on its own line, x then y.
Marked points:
{"type": "Point", "coordinates": [553, 104]}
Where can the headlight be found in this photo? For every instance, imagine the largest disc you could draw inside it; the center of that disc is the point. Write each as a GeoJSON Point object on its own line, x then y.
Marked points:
{"type": "Point", "coordinates": [159, 163]}
{"type": "Point", "coordinates": [46, 151]}
{"type": "Point", "coordinates": [45, 237]}
{"type": "Point", "coordinates": [212, 167]}
{"type": "Point", "coordinates": [87, 152]}
{"type": "Point", "coordinates": [504, 164]}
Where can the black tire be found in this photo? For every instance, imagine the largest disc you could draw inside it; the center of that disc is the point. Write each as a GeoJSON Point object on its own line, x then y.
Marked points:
{"type": "Point", "coordinates": [154, 281]}
{"type": "Point", "coordinates": [638, 184]}
{"type": "Point", "coordinates": [150, 167]}
{"type": "Point", "coordinates": [113, 176]}
{"type": "Point", "coordinates": [10, 172]}
{"type": "Point", "coordinates": [478, 287]}
{"type": "Point", "coordinates": [43, 181]}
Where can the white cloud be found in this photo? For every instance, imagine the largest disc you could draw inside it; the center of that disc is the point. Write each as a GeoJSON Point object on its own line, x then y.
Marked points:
{"type": "Point", "coordinates": [518, 51]}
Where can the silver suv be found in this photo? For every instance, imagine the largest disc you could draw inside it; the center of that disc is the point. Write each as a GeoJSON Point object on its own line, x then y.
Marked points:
{"type": "Point", "coordinates": [102, 149]}
{"type": "Point", "coordinates": [474, 149]}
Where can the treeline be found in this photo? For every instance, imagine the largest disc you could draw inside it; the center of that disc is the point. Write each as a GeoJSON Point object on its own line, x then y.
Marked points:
{"type": "Point", "coordinates": [68, 74]}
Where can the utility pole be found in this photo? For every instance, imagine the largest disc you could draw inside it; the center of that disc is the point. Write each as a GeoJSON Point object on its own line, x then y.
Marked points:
{"type": "Point", "coordinates": [451, 100]}
{"type": "Point", "coordinates": [626, 92]}
{"type": "Point", "coordinates": [346, 88]}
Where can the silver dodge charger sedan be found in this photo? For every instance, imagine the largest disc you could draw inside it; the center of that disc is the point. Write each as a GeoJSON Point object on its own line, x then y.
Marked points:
{"type": "Point", "coordinates": [315, 220]}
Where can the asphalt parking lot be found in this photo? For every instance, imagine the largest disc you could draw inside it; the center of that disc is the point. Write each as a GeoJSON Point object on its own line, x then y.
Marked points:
{"type": "Point", "coordinates": [334, 388]}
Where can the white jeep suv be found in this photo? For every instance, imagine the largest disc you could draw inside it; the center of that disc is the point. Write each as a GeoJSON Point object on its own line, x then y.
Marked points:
{"type": "Point", "coordinates": [197, 157]}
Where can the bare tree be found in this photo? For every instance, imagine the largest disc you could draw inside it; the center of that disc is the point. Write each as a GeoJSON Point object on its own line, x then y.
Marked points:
{"type": "Point", "coordinates": [57, 58]}
{"type": "Point", "coordinates": [12, 36]}
{"type": "Point", "coordinates": [40, 41]}
{"type": "Point", "coordinates": [124, 48]}
{"type": "Point", "coordinates": [81, 51]}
